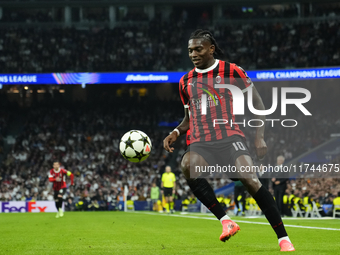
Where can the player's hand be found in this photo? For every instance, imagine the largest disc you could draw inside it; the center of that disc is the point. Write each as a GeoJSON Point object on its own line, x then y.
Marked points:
{"type": "Point", "coordinates": [261, 148]}
{"type": "Point", "coordinates": [173, 191]}
{"type": "Point", "coordinates": [58, 179]}
{"type": "Point", "coordinates": [170, 139]}
{"type": "Point", "coordinates": [162, 191]}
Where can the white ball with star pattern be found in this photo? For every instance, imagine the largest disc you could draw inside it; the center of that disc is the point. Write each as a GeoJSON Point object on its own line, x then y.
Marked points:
{"type": "Point", "coordinates": [135, 146]}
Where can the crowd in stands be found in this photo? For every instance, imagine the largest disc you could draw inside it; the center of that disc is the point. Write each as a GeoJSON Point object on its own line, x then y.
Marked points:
{"type": "Point", "coordinates": [300, 195]}
{"type": "Point", "coordinates": [324, 10]}
{"type": "Point", "coordinates": [86, 141]}
{"type": "Point", "coordinates": [155, 46]}
{"type": "Point", "coordinates": [4, 119]}
{"type": "Point", "coordinates": [280, 45]}
{"type": "Point", "coordinates": [161, 46]}
{"type": "Point", "coordinates": [238, 12]}
{"type": "Point", "coordinates": [303, 192]}
{"type": "Point", "coordinates": [281, 11]}
{"type": "Point", "coordinates": [9, 15]}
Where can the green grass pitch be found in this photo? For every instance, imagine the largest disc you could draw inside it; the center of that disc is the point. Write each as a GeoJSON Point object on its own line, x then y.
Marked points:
{"type": "Point", "coordinates": [152, 233]}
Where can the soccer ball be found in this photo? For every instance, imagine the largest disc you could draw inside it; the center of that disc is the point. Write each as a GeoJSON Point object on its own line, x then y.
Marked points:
{"type": "Point", "coordinates": [135, 146]}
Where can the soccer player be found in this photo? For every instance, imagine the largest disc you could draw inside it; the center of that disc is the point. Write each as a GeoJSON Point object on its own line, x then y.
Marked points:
{"type": "Point", "coordinates": [57, 175]}
{"type": "Point", "coordinates": [209, 140]}
{"type": "Point", "coordinates": [279, 186]}
{"type": "Point", "coordinates": [239, 190]}
{"type": "Point", "coordinates": [168, 186]}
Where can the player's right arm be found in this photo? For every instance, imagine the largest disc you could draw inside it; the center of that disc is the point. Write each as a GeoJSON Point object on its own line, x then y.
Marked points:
{"type": "Point", "coordinates": [51, 178]}
{"type": "Point", "coordinates": [184, 126]}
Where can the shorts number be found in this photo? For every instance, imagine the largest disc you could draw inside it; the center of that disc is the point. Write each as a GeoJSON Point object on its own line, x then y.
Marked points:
{"type": "Point", "coordinates": [239, 146]}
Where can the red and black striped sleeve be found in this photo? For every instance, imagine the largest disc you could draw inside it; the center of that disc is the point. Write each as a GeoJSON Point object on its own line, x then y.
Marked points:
{"type": "Point", "coordinates": [51, 177]}
{"type": "Point", "coordinates": [242, 79]}
{"type": "Point", "coordinates": [182, 92]}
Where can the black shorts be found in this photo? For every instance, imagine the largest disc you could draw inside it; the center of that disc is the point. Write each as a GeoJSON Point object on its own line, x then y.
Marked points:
{"type": "Point", "coordinates": [59, 192]}
{"type": "Point", "coordinates": [167, 192]}
{"type": "Point", "coordinates": [223, 152]}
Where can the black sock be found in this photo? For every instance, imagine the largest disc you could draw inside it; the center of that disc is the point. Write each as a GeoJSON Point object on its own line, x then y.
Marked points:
{"type": "Point", "coordinates": [243, 205]}
{"type": "Point", "coordinates": [268, 206]}
{"type": "Point", "coordinates": [57, 204]}
{"type": "Point", "coordinates": [203, 191]}
{"type": "Point", "coordinates": [60, 203]}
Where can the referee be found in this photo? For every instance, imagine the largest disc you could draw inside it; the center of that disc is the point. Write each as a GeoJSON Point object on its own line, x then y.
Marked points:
{"type": "Point", "coordinates": [168, 186]}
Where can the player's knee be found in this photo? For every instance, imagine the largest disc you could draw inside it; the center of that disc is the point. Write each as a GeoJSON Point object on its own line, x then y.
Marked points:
{"type": "Point", "coordinates": [185, 166]}
{"type": "Point", "coordinates": [251, 184]}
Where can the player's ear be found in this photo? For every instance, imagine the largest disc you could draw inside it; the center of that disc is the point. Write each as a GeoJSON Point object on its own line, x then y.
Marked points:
{"type": "Point", "coordinates": [212, 49]}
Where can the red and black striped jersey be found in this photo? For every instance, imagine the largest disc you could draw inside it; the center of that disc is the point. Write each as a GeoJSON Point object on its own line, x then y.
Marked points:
{"type": "Point", "coordinates": [219, 101]}
{"type": "Point", "coordinates": [188, 137]}
{"type": "Point", "coordinates": [61, 174]}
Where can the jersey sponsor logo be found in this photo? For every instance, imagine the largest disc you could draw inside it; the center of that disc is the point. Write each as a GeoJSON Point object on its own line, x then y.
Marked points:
{"type": "Point", "coordinates": [207, 90]}
{"type": "Point", "coordinates": [211, 101]}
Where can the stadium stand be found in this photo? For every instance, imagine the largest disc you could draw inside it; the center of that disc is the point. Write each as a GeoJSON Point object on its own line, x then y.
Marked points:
{"type": "Point", "coordinates": [136, 48]}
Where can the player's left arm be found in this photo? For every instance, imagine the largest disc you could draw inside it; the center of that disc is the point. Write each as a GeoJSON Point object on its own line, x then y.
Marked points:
{"type": "Point", "coordinates": [246, 84]}
{"type": "Point", "coordinates": [260, 144]}
{"type": "Point", "coordinates": [71, 175]}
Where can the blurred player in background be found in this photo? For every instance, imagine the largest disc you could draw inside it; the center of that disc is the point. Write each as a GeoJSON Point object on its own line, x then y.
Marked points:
{"type": "Point", "coordinates": [240, 191]}
{"type": "Point", "coordinates": [209, 141]}
{"type": "Point", "coordinates": [168, 186]}
{"type": "Point", "coordinates": [279, 186]}
{"type": "Point", "coordinates": [58, 175]}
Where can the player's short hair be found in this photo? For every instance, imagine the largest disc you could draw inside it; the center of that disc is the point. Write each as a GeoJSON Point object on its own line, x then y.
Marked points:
{"type": "Point", "coordinates": [56, 161]}
{"type": "Point", "coordinates": [207, 35]}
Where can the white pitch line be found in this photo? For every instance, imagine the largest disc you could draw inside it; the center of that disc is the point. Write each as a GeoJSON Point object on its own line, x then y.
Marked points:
{"type": "Point", "coordinates": [242, 221]}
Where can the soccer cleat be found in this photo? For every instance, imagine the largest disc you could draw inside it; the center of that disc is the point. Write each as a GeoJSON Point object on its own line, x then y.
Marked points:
{"type": "Point", "coordinates": [57, 216]}
{"type": "Point", "coordinates": [61, 213]}
{"type": "Point", "coordinates": [286, 246]}
{"type": "Point", "coordinates": [230, 228]}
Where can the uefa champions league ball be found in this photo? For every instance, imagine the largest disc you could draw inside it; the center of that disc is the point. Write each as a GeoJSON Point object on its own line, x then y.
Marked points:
{"type": "Point", "coordinates": [135, 146]}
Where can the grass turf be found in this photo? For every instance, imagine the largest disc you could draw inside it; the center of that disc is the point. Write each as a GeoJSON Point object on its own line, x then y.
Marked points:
{"type": "Point", "coordinates": [152, 233]}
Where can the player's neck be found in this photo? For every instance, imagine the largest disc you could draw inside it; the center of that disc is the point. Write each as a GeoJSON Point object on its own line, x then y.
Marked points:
{"type": "Point", "coordinates": [211, 65]}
